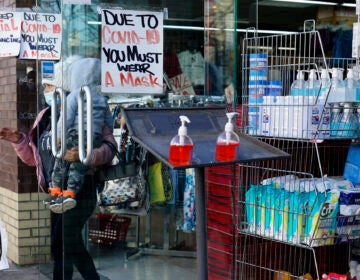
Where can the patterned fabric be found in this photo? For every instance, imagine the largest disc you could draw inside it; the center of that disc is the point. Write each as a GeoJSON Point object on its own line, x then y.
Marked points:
{"type": "Point", "coordinates": [70, 175]}
{"type": "Point", "coordinates": [189, 218]}
{"type": "Point", "coordinates": [120, 191]}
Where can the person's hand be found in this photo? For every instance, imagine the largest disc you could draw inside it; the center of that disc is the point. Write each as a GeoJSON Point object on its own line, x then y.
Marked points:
{"type": "Point", "coordinates": [72, 154]}
{"type": "Point", "coordinates": [10, 135]}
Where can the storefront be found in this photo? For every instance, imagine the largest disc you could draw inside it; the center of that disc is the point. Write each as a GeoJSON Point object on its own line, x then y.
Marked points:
{"type": "Point", "coordinates": [160, 38]}
{"type": "Point", "coordinates": [166, 54]}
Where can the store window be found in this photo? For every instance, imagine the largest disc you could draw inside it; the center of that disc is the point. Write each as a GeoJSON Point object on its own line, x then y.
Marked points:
{"type": "Point", "coordinates": [201, 58]}
{"type": "Point", "coordinates": [198, 65]}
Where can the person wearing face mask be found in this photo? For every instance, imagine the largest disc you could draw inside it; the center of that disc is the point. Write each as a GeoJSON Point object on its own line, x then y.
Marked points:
{"type": "Point", "coordinates": [49, 89]}
{"type": "Point", "coordinates": [68, 177]}
{"type": "Point", "coordinates": [34, 149]}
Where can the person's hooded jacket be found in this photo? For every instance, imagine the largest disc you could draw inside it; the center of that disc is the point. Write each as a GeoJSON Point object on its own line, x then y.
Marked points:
{"type": "Point", "coordinates": [27, 149]}
{"type": "Point", "coordinates": [87, 72]}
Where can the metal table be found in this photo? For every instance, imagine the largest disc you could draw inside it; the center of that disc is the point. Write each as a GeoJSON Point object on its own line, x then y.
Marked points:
{"type": "Point", "coordinates": [154, 128]}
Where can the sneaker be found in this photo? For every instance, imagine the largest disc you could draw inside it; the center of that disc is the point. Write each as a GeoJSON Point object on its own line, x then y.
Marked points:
{"type": "Point", "coordinates": [54, 194]}
{"type": "Point", "coordinates": [63, 203]}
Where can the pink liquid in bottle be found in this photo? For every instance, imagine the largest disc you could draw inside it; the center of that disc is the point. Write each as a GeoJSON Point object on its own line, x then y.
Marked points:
{"type": "Point", "coordinates": [180, 154]}
{"type": "Point", "coordinates": [226, 152]}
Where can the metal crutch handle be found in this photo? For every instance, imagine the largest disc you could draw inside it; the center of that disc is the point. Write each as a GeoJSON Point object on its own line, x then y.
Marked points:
{"type": "Point", "coordinates": [54, 113]}
{"type": "Point", "coordinates": [85, 159]}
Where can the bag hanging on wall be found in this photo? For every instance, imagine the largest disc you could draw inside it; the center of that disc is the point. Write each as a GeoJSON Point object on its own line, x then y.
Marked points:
{"type": "Point", "coordinates": [125, 184]}
{"type": "Point", "coordinates": [156, 186]}
{"type": "Point", "coordinates": [124, 181]}
{"type": "Point", "coordinates": [119, 170]}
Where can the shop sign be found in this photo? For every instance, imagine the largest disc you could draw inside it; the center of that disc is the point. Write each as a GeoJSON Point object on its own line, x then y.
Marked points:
{"type": "Point", "coordinates": [47, 70]}
{"type": "Point", "coordinates": [182, 85]}
{"type": "Point", "coordinates": [40, 36]}
{"type": "Point", "coordinates": [10, 33]}
{"type": "Point", "coordinates": [132, 52]}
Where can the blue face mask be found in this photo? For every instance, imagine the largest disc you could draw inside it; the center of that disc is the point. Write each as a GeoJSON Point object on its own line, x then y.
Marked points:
{"type": "Point", "coordinates": [49, 96]}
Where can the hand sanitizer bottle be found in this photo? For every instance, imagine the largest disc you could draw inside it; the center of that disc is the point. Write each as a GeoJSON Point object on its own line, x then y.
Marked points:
{"type": "Point", "coordinates": [181, 145]}
{"type": "Point", "coordinates": [337, 92]}
{"type": "Point", "coordinates": [227, 141]}
{"type": "Point", "coordinates": [298, 85]}
{"type": "Point", "coordinates": [351, 84]}
{"type": "Point", "coordinates": [325, 83]}
{"type": "Point", "coordinates": [312, 85]}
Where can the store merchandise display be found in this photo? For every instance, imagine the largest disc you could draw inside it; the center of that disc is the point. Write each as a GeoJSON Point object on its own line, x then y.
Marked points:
{"type": "Point", "coordinates": [305, 207]}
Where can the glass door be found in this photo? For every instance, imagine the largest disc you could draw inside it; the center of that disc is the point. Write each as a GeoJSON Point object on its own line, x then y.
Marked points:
{"type": "Point", "coordinates": [149, 53]}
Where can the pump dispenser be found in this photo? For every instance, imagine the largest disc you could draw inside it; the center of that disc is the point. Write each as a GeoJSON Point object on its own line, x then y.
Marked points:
{"type": "Point", "coordinates": [325, 86]}
{"type": "Point", "coordinates": [312, 85]}
{"type": "Point", "coordinates": [337, 92]}
{"type": "Point", "coordinates": [351, 85]}
{"type": "Point", "coordinates": [227, 141]}
{"type": "Point", "coordinates": [181, 145]}
{"type": "Point", "coordinates": [298, 86]}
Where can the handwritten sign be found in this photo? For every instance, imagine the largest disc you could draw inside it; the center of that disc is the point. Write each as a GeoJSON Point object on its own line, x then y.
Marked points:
{"type": "Point", "coordinates": [132, 52]}
{"type": "Point", "coordinates": [10, 33]}
{"type": "Point", "coordinates": [40, 36]}
{"type": "Point", "coordinates": [182, 85]}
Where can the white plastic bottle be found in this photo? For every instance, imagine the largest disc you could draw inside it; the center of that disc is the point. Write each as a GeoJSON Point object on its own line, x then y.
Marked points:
{"type": "Point", "coordinates": [325, 83]}
{"type": "Point", "coordinates": [312, 85]}
{"type": "Point", "coordinates": [337, 92]}
{"type": "Point", "coordinates": [351, 85]}
{"type": "Point", "coordinates": [298, 85]}
{"type": "Point", "coordinates": [181, 145]}
{"type": "Point", "coordinates": [227, 141]}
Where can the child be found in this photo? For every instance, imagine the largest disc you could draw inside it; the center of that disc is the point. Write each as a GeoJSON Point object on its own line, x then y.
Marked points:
{"type": "Point", "coordinates": [71, 174]}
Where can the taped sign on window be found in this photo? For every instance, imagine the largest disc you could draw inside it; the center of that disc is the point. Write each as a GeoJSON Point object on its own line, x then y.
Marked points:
{"type": "Point", "coordinates": [132, 52]}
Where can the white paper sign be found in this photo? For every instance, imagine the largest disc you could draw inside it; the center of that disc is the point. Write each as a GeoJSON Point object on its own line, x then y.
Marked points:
{"type": "Point", "coordinates": [182, 85]}
{"type": "Point", "coordinates": [132, 52]}
{"type": "Point", "coordinates": [10, 33]}
{"type": "Point", "coordinates": [40, 36]}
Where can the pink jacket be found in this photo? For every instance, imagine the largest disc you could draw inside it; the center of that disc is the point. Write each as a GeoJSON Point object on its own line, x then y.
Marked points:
{"type": "Point", "coordinates": [28, 152]}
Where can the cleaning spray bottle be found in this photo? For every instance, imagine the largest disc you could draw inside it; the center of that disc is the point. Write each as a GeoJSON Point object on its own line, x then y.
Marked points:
{"type": "Point", "coordinates": [227, 141]}
{"type": "Point", "coordinates": [181, 145]}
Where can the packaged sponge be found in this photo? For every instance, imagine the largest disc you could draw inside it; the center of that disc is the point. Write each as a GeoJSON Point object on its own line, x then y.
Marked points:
{"type": "Point", "coordinates": [321, 223]}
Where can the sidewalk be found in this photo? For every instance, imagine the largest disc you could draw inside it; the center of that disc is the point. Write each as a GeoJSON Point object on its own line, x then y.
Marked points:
{"type": "Point", "coordinates": [34, 272]}
{"type": "Point", "coordinates": [24, 273]}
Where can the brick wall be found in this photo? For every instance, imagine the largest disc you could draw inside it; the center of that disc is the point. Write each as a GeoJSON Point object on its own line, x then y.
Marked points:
{"type": "Point", "coordinates": [21, 209]}
{"type": "Point", "coordinates": [27, 224]}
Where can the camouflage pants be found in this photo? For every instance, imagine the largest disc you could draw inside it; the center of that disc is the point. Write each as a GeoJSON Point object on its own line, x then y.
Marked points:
{"type": "Point", "coordinates": [70, 175]}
